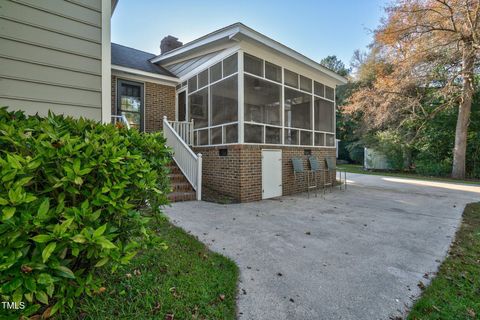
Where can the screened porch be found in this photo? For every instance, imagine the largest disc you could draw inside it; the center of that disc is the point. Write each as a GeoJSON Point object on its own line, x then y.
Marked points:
{"type": "Point", "coordinates": [248, 100]}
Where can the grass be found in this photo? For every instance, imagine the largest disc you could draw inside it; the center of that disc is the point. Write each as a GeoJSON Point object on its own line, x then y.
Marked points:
{"type": "Point", "coordinates": [187, 281]}
{"type": "Point", "coordinates": [355, 168]}
{"type": "Point", "coordinates": [455, 292]}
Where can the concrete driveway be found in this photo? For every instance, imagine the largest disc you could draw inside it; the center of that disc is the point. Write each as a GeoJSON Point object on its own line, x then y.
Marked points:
{"type": "Point", "coordinates": [357, 254]}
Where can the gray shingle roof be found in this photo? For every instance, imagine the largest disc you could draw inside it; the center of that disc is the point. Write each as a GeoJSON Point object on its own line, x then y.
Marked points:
{"type": "Point", "coordinates": [136, 59]}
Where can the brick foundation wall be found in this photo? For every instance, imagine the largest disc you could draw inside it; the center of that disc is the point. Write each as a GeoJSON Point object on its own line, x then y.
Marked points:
{"type": "Point", "coordinates": [239, 174]}
{"type": "Point", "coordinates": [159, 102]}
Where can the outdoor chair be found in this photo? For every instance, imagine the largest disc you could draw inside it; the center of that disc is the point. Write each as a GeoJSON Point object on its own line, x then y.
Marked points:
{"type": "Point", "coordinates": [300, 172]}
{"type": "Point", "coordinates": [330, 172]}
{"type": "Point", "coordinates": [315, 169]}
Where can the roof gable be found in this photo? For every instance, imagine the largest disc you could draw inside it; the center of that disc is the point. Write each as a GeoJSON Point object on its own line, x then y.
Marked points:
{"type": "Point", "coordinates": [136, 59]}
{"type": "Point", "coordinates": [240, 32]}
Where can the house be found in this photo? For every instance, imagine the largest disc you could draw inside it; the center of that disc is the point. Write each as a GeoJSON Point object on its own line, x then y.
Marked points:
{"type": "Point", "coordinates": [234, 105]}
{"type": "Point", "coordinates": [55, 55]}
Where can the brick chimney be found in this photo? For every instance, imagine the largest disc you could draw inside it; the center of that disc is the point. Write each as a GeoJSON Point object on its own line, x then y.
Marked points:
{"type": "Point", "coordinates": [169, 43]}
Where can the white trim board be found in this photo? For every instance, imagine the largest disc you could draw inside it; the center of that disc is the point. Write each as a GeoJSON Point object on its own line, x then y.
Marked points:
{"type": "Point", "coordinates": [144, 76]}
{"type": "Point", "coordinates": [106, 62]}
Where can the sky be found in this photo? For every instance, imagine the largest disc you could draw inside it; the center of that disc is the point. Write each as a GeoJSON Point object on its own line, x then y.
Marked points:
{"type": "Point", "coordinates": [314, 28]}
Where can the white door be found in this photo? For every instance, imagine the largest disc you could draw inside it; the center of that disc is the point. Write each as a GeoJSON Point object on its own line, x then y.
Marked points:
{"type": "Point", "coordinates": [271, 173]}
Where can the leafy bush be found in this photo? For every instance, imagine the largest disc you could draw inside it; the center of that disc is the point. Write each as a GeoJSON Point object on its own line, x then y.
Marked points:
{"type": "Point", "coordinates": [390, 144]}
{"type": "Point", "coordinates": [433, 168]}
{"type": "Point", "coordinates": [71, 195]}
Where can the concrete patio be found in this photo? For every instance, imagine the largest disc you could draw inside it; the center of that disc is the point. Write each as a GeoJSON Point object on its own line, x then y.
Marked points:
{"type": "Point", "coordinates": [357, 254]}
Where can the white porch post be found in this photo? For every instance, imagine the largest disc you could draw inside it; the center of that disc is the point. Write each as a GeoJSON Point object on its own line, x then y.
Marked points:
{"type": "Point", "coordinates": [199, 176]}
{"type": "Point", "coordinates": [240, 97]}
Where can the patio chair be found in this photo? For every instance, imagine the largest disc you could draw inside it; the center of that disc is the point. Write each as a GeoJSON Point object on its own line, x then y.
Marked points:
{"type": "Point", "coordinates": [315, 169]}
{"type": "Point", "coordinates": [331, 172]}
{"type": "Point", "coordinates": [300, 172]}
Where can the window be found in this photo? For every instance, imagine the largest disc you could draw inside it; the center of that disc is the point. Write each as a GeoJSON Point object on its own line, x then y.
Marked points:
{"type": "Point", "coordinates": [202, 137]}
{"type": "Point", "coordinates": [230, 65]}
{"type": "Point", "coordinates": [305, 138]}
{"type": "Point", "coordinates": [192, 84]}
{"type": "Point", "coordinates": [291, 136]}
{"type": "Point", "coordinates": [262, 101]}
{"type": "Point", "coordinates": [253, 65]}
{"type": "Point", "coordinates": [305, 84]}
{"type": "Point", "coordinates": [203, 79]}
{"type": "Point", "coordinates": [273, 135]}
{"type": "Point", "coordinates": [231, 133]}
{"type": "Point", "coordinates": [324, 115]}
{"type": "Point", "coordinates": [330, 140]}
{"type": "Point", "coordinates": [130, 102]}
{"type": "Point", "coordinates": [329, 93]}
{"type": "Point", "coordinates": [216, 135]}
{"type": "Point", "coordinates": [199, 108]}
{"type": "Point", "coordinates": [291, 78]}
{"type": "Point", "coordinates": [273, 72]}
{"type": "Point", "coordinates": [253, 133]}
{"type": "Point", "coordinates": [319, 139]}
{"type": "Point", "coordinates": [216, 72]}
{"type": "Point", "coordinates": [224, 101]}
{"type": "Point", "coordinates": [319, 89]}
{"type": "Point", "coordinates": [298, 106]}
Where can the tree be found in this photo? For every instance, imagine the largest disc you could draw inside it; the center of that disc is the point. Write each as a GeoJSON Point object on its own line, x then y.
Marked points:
{"type": "Point", "coordinates": [424, 48]}
{"type": "Point", "coordinates": [334, 64]}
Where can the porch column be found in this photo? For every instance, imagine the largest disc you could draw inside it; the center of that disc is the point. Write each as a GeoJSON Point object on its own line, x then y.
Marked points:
{"type": "Point", "coordinates": [241, 93]}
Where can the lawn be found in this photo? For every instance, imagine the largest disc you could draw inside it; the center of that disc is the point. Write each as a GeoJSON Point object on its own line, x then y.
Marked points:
{"type": "Point", "coordinates": [186, 281]}
{"type": "Point", "coordinates": [355, 168]}
{"type": "Point", "coordinates": [455, 292]}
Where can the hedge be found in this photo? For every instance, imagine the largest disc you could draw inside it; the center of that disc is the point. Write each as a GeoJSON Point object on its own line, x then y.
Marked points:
{"type": "Point", "coordinates": [72, 195]}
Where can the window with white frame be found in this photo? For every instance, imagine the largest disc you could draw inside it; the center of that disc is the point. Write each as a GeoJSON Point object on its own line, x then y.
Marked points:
{"type": "Point", "coordinates": [213, 103]}
{"type": "Point", "coordinates": [281, 106]}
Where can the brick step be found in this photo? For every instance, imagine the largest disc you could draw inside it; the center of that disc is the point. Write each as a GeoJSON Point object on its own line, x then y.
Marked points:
{"type": "Point", "coordinates": [181, 186]}
{"type": "Point", "coordinates": [177, 178]}
{"type": "Point", "coordinates": [182, 196]}
{"type": "Point", "coordinates": [174, 169]}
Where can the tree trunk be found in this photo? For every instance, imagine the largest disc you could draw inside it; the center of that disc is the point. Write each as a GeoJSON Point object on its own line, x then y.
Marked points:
{"type": "Point", "coordinates": [460, 148]}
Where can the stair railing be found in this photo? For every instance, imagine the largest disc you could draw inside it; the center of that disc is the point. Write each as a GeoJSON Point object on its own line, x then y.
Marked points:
{"type": "Point", "coordinates": [184, 130]}
{"type": "Point", "coordinates": [121, 119]}
{"type": "Point", "coordinates": [189, 163]}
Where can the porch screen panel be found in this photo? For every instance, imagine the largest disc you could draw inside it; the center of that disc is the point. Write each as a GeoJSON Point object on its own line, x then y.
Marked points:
{"type": "Point", "coordinates": [324, 114]}
{"type": "Point", "coordinates": [298, 109]}
{"type": "Point", "coordinates": [262, 101]}
{"type": "Point", "coordinates": [225, 101]}
{"type": "Point", "coordinates": [198, 103]}
{"type": "Point", "coordinates": [253, 133]}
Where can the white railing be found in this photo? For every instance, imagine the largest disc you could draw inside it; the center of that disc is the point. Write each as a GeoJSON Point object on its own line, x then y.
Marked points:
{"type": "Point", "coordinates": [189, 163]}
{"type": "Point", "coordinates": [122, 119]}
{"type": "Point", "coordinates": [184, 130]}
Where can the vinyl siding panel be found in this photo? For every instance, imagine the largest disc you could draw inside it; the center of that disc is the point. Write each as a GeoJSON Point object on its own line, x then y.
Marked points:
{"type": "Point", "coordinates": [41, 108]}
{"type": "Point", "coordinates": [15, 30]}
{"type": "Point", "coordinates": [19, 69]}
{"type": "Point", "coordinates": [46, 20]}
{"type": "Point", "coordinates": [48, 92]}
{"type": "Point", "coordinates": [50, 56]}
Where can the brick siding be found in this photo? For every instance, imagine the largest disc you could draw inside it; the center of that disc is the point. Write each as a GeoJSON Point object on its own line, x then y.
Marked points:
{"type": "Point", "coordinates": [239, 174]}
{"type": "Point", "coordinates": [159, 102]}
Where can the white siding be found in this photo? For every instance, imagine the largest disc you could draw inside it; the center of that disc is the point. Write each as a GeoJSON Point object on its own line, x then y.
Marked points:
{"type": "Point", "coordinates": [51, 56]}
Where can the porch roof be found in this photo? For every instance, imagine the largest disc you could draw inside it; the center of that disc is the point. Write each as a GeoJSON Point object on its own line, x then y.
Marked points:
{"type": "Point", "coordinates": [239, 32]}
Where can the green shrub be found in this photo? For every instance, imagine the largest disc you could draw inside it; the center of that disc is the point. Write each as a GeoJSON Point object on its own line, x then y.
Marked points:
{"type": "Point", "coordinates": [71, 195]}
{"type": "Point", "coordinates": [390, 144]}
{"type": "Point", "coordinates": [432, 167]}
